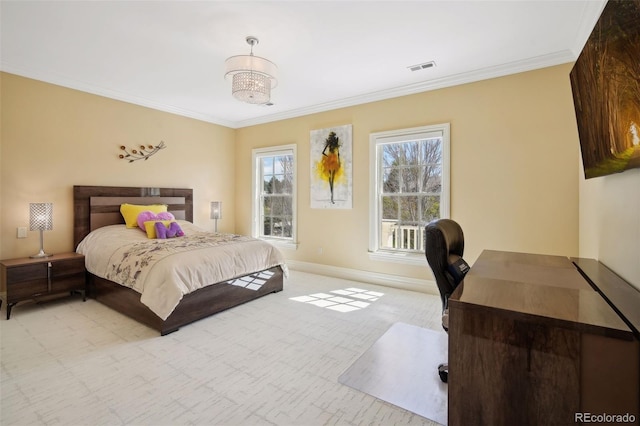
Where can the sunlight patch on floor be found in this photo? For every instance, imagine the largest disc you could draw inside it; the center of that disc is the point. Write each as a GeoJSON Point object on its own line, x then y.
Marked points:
{"type": "Point", "coordinates": [344, 300]}
{"type": "Point", "coordinates": [253, 281]}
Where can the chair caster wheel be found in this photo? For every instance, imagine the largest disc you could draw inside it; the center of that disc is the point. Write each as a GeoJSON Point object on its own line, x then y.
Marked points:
{"type": "Point", "coordinates": [443, 372]}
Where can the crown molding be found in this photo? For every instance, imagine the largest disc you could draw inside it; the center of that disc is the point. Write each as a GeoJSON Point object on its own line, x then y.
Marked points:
{"type": "Point", "coordinates": [590, 14]}
{"type": "Point", "coordinates": [59, 80]}
{"type": "Point", "coordinates": [524, 65]}
{"type": "Point", "coordinates": [528, 64]}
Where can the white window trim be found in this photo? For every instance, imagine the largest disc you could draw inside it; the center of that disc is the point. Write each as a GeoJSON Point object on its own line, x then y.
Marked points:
{"type": "Point", "coordinates": [375, 139]}
{"type": "Point", "coordinates": [285, 243]}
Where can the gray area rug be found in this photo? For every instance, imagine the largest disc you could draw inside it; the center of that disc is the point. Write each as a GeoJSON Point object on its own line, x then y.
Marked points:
{"type": "Point", "coordinates": [401, 368]}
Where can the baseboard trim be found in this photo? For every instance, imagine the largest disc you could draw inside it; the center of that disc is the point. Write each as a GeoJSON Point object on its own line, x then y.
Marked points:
{"type": "Point", "coordinates": [395, 281]}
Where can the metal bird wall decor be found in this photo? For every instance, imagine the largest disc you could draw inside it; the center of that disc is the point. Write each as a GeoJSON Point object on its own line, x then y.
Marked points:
{"type": "Point", "coordinates": [141, 153]}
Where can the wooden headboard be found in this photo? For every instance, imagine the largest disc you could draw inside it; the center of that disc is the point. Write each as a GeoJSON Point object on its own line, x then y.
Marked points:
{"type": "Point", "coordinates": [97, 206]}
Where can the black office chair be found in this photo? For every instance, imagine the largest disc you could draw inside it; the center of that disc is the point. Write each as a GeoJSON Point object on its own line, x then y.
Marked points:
{"type": "Point", "coordinates": [444, 247]}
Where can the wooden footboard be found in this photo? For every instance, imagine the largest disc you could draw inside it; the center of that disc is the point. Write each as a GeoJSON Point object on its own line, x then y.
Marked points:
{"type": "Point", "coordinates": [194, 306]}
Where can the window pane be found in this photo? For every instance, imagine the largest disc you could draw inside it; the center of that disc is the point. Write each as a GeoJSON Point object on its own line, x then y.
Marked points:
{"type": "Point", "coordinates": [388, 234]}
{"type": "Point", "coordinates": [432, 178]}
{"type": "Point", "coordinates": [267, 165]}
{"type": "Point", "coordinates": [411, 151]}
{"type": "Point", "coordinates": [410, 179]}
{"type": "Point", "coordinates": [287, 228]}
{"type": "Point", "coordinates": [276, 184]}
{"type": "Point", "coordinates": [409, 210]}
{"type": "Point", "coordinates": [287, 206]}
{"type": "Point", "coordinates": [433, 151]}
{"type": "Point", "coordinates": [276, 206]}
{"type": "Point", "coordinates": [390, 208]}
{"type": "Point", "coordinates": [288, 164]}
{"type": "Point", "coordinates": [267, 226]}
{"type": "Point", "coordinates": [391, 180]}
{"type": "Point", "coordinates": [276, 227]}
{"type": "Point", "coordinates": [287, 185]}
{"type": "Point", "coordinates": [389, 155]}
{"type": "Point", "coordinates": [266, 205]}
{"type": "Point", "coordinates": [278, 166]}
{"type": "Point", "coordinates": [430, 208]}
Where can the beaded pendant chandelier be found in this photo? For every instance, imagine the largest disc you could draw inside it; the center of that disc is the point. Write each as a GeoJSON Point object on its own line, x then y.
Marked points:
{"type": "Point", "coordinates": [252, 77]}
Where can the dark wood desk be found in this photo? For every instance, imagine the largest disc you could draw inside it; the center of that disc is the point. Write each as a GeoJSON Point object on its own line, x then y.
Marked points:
{"type": "Point", "coordinates": [532, 342]}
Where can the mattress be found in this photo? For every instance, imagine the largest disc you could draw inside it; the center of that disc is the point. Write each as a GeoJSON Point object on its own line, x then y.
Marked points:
{"type": "Point", "coordinates": [164, 270]}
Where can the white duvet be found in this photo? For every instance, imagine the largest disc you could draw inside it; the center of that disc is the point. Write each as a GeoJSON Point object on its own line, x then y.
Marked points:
{"type": "Point", "coordinates": [163, 271]}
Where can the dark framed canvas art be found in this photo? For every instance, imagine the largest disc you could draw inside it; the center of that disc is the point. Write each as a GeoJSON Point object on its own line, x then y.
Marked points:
{"type": "Point", "coordinates": [605, 82]}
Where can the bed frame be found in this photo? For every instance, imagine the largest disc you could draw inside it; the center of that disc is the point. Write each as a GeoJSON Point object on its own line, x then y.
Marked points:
{"type": "Point", "coordinates": [97, 206]}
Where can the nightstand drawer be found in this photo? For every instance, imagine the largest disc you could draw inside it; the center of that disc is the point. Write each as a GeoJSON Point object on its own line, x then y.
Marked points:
{"type": "Point", "coordinates": [28, 273]}
{"type": "Point", "coordinates": [69, 282]}
{"type": "Point", "coordinates": [69, 267]}
{"type": "Point", "coordinates": [27, 289]}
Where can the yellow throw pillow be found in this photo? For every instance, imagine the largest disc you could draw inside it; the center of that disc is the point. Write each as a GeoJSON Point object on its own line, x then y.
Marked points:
{"type": "Point", "coordinates": [150, 227]}
{"type": "Point", "coordinates": [130, 212]}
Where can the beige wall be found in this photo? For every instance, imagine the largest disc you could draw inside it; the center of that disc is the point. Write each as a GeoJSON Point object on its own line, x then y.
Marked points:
{"type": "Point", "coordinates": [514, 153]}
{"type": "Point", "coordinates": [610, 222]}
{"type": "Point", "coordinates": [514, 161]}
{"type": "Point", "coordinates": [53, 138]}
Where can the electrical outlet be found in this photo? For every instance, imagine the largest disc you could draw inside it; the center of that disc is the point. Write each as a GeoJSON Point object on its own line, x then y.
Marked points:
{"type": "Point", "coordinates": [22, 232]}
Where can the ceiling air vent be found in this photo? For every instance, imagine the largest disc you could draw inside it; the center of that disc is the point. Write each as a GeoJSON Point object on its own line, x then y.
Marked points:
{"type": "Point", "coordinates": [424, 66]}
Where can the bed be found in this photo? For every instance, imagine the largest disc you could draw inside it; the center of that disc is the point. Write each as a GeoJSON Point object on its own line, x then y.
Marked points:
{"type": "Point", "coordinates": [97, 208]}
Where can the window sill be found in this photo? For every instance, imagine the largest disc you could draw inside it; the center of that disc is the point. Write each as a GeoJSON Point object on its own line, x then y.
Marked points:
{"type": "Point", "coordinates": [281, 244]}
{"type": "Point", "coordinates": [416, 259]}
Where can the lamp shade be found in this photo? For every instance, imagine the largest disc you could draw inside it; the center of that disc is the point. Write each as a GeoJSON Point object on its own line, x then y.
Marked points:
{"type": "Point", "coordinates": [216, 210]}
{"type": "Point", "coordinates": [41, 216]}
{"type": "Point", "coordinates": [252, 77]}
{"type": "Point", "coordinates": [254, 64]}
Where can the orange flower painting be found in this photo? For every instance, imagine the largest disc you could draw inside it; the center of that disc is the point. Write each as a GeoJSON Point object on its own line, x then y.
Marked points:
{"type": "Point", "coordinates": [331, 168]}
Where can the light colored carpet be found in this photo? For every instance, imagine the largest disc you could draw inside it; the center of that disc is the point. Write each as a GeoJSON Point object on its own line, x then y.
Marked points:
{"type": "Point", "coordinates": [272, 361]}
{"type": "Point", "coordinates": [401, 368]}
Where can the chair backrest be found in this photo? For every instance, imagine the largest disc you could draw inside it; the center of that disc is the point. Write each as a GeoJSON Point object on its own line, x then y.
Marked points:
{"type": "Point", "coordinates": [444, 247]}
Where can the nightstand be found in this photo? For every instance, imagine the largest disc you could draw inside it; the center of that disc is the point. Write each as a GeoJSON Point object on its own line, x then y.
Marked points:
{"type": "Point", "coordinates": [27, 278]}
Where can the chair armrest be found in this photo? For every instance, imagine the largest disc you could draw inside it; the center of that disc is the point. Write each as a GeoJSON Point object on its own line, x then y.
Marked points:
{"type": "Point", "coordinates": [445, 319]}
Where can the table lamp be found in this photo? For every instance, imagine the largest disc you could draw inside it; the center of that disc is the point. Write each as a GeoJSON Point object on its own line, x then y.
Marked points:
{"type": "Point", "coordinates": [216, 212]}
{"type": "Point", "coordinates": [41, 219]}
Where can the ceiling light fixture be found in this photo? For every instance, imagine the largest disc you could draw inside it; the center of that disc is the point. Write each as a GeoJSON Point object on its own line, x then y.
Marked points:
{"type": "Point", "coordinates": [253, 77]}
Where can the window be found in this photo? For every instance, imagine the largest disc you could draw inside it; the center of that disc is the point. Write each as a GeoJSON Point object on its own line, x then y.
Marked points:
{"type": "Point", "coordinates": [409, 188]}
{"type": "Point", "coordinates": [274, 189]}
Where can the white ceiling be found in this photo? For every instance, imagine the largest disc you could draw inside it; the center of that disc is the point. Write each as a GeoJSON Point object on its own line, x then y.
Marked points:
{"type": "Point", "coordinates": [169, 55]}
